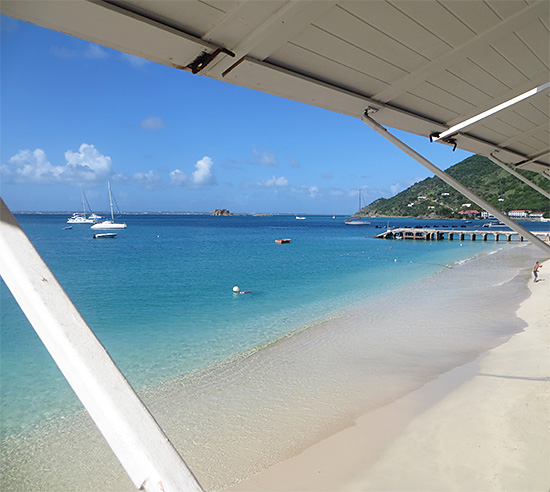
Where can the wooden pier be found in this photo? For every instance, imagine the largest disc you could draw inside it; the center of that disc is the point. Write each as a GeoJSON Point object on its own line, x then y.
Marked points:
{"type": "Point", "coordinates": [451, 234]}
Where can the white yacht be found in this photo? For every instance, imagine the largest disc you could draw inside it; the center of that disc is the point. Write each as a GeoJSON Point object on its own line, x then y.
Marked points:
{"type": "Point", "coordinates": [80, 217]}
{"type": "Point", "coordinates": [109, 224]}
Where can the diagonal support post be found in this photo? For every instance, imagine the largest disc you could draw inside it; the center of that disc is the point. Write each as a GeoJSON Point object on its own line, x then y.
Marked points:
{"type": "Point", "coordinates": [513, 172]}
{"type": "Point", "coordinates": [138, 442]}
{"type": "Point", "coordinates": [377, 127]}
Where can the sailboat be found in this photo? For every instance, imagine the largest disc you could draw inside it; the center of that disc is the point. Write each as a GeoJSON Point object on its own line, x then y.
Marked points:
{"type": "Point", "coordinates": [80, 218]}
{"type": "Point", "coordinates": [358, 220]}
{"type": "Point", "coordinates": [109, 224]}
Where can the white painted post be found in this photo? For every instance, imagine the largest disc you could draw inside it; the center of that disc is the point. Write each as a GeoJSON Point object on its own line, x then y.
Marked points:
{"type": "Point", "coordinates": [456, 185]}
{"type": "Point", "coordinates": [139, 443]}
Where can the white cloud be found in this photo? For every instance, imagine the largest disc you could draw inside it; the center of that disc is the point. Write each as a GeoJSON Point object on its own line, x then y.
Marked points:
{"type": "Point", "coordinates": [5, 171]}
{"type": "Point", "coordinates": [265, 159]}
{"type": "Point", "coordinates": [202, 176]}
{"type": "Point", "coordinates": [91, 51]}
{"type": "Point", "coordinates": [63, 52]}
{"type": "Point", "coordinates": [152, 123]}
{"type": "Point", "coordinates": [149, 179]}
{"type": "Point", "coordinates": [135, 61]}
{"type": "Point", "coordinates": [95, 52]}
{"type": "Point", "coordinates": [273, 182]}
{"type": "Point", "coordinates": [311, 191]}
{"type": "Point", "coordinates": [399, 186]}
{"type": "Point", "coordinates": [178, 177]}
{"type": "Point", "coordinates": [34, 167]}
{"type": "Point", "coordinates": [86, 165]}
{"type": "Point", "coordinates": [293, 163]}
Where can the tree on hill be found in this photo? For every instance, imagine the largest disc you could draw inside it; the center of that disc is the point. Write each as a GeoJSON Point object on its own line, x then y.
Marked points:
{"type": "Point", "coordinates": [432, 197]}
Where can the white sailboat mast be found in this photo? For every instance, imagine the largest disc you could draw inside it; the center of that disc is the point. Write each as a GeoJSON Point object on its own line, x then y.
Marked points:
{"type": "Point", "coordinates": [83, 201]}
{"type": "Point", "coordinates": [111, 201]}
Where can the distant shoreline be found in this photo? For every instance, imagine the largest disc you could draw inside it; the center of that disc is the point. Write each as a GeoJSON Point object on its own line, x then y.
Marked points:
{"type": "Point", "coordinates": [260, 214]}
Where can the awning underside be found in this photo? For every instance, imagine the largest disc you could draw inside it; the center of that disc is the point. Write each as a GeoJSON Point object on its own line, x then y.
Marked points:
{"type": "Point", "coordinates": [425, 65]}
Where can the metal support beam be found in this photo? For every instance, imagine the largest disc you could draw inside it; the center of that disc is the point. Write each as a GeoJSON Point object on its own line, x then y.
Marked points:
{"type": "Point", "coordinates": [513, 172]}
{"type": "Point", "coordinates": [139, 443]}
{"type": "Point", "coordinates": [455, 184]}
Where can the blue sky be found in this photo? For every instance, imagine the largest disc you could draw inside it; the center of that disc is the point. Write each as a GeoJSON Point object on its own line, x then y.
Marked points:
{"type": "Point", "coordinates": [74, 113]}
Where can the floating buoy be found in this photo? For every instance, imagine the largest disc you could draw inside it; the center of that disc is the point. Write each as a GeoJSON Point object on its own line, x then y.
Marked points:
{"type": "Point", "coordinates": [236, 289]}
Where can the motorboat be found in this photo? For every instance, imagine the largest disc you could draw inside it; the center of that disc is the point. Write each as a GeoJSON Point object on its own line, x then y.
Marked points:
{"type": "Point", "coordinates": [80, 217]}
{"type": "Point", "coordinates": [494, 223]}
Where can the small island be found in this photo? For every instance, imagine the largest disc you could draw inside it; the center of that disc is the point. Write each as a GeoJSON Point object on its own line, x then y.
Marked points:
{"type": "Point", "coordinates": [221, 212]}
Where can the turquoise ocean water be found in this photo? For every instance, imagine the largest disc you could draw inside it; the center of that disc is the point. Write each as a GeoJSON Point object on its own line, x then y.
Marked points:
{"type": "Point", "coordinates": [159, 297]}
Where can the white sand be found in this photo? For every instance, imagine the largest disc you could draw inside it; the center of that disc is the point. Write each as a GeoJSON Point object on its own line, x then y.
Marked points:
{"type": "Point", "coordinates": [491, 433]}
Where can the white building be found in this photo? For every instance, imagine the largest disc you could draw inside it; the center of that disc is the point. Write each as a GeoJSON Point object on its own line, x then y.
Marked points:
{"type": "Point", "coordinates": [519, 213]}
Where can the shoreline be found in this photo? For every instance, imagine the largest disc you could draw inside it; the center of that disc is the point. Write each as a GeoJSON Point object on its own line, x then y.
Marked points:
{"type": "Point", "coordinates": [482, 426]}
{"type": "Point", "coordinates": [286, 387]}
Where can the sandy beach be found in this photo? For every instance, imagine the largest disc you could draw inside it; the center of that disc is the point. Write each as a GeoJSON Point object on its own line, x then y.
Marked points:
{"type": "Point", "coordinates": [366, 400]}
{"type": "Point", "coordinates": [484, 426]}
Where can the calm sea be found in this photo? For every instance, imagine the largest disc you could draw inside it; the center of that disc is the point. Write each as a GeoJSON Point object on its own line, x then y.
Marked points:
{"type": "Point", "coordinates": [160, 299]}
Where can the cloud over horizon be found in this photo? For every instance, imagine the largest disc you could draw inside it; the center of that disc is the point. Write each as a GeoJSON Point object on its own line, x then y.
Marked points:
{"type": "Point", "coordinates": [202, 176]}
{"type": "Point", "coordinates": [85, 165]}
{"type": "Point", "coordinates": [273, 182]}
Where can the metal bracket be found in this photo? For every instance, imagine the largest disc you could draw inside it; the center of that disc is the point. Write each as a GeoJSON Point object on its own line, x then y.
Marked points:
{"type": "Point", "coordinates": [449, 140]}
{"type": "Point", "coordinates": [202, 61]}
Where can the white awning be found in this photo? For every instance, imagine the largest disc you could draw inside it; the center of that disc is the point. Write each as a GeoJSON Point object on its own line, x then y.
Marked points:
{"type": "Point", "coordinates": [425, 65]}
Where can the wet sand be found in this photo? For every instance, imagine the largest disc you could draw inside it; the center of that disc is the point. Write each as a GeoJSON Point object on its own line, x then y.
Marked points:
{"type": "Point", "coordinates": [255, 414]}
{"type": "Point", "coordinates": [484, 426]}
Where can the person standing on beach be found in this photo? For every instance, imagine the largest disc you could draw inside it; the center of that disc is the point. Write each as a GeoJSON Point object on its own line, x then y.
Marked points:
{"type": "Point", "coordinates": [536, 271]}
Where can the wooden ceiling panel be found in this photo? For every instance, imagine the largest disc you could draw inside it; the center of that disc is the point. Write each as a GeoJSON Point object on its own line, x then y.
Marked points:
{"type": "Point", "coordinates": [197, 20]}
{"type": "Point", "coordinates": [341, 52]}
{"type": "Point", "coordinates": [521, 57]}
{"type": "Point", "coordinates": [424, 105]}
{"type": "Point", "coordinates": [508, 8]}
{"type": "Point", "coordinates": [354, 31]}
{"type": "Point", "coordinates": [397, 26]}
{"type": "Point", "coordinates": [326, 70]}
{"type": "Point", "coordinates": [535, 36]}
{"type": "Point", "coordinates": [499, 74]}
{"type": "Point", "coordinates": [460, 87]}
{"type": "Point", "coordinates": [425, 64]}
{"type": "Point", "coordinates": [437, 19]}
{"type": "Point", "coordinates": [478, 16]}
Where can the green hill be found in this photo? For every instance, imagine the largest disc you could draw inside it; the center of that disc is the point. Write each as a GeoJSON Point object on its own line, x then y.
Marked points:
{"type": "Point", "coordinates": [433, 198]}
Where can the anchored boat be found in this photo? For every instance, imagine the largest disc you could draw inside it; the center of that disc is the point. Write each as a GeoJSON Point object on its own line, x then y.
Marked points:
{"type": "Point", "coordinates": [109, 224]}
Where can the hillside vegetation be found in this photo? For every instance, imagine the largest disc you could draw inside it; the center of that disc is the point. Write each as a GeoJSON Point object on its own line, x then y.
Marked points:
{"type": "Point", "coordinates": [433, 198]}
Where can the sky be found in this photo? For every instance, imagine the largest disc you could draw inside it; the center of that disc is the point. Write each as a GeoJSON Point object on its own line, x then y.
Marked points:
{"type": "Point", "coordinates": [75, 115]}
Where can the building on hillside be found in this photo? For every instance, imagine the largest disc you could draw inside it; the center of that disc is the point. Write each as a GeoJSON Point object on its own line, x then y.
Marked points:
{"type": "Point", "coordinates": [470, 214]}
{"type": "Point", "coordinates": [519, 214]}
{"type": "Point", "coordinates": [536, 215]}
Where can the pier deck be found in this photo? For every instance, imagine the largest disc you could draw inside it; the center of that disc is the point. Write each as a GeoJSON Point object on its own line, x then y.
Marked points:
{"type": "Point", "coordinates": [451, 234]}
